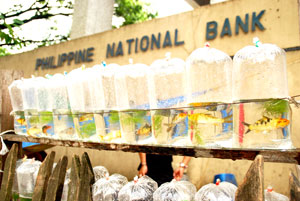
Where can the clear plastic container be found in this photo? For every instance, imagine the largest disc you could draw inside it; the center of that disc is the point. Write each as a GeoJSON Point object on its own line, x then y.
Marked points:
{"type": "Point", "coordinates": [30, 105]}
{"type": "Point", "coordinates": [15, 188]}
{"type": "Point", "coordinates": [168, 89]}
{"type": "Point", "coordinates": [95, 87]}
{"type": "Point", "coordinates": [110, 114]}
{"type": "Point", "coordinates": [175, 191]}
{"type": "Point", "coordinates": [263, 124]}
{"type": "Point", "coordinates": [64, 127]}
{"type": "Point", "coordinates": [209, 73]}
{"type": "Point", "coordinates": [15, 93]}
{"type": "Point", "coordinates": [132, 90]}
{"type": "Point", "coordinates": [44, 101]}
{"type": "Point", "coordinates": [27, 173]}
{"type": "Point", "coordinates": [171, 126]}
{"type": "Point", "coordinates": [80, 99]}
{"type": "Point", "coordinates": [141, 189]}
{"type": "Point", "coordinates": [211, 125]}
{"type": "Point", "coordinates": [108, 188]}
{"type": "Point", "coordinates": [261, 114]}
{"type": "Point", "coordinates": [223, 191]}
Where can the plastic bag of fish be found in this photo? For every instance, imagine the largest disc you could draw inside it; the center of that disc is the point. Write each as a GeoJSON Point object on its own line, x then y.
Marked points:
{"type": "Point", "coordinates": [15, 188]}
{"type": "Point", "coordinates": [221, 191]}
{"type": "Point", "coordinates": [108, 188]}
{"type": "Point", "coordinates": [100, 172]}
{"type": "Point", "coordinates": [175, 191]}
{"type": "Point", "coordinates": [271, 195]}
{"type": "Point", "coordinates": [140, 189]}
{"type": "Point", "coordinates": [27, 173]}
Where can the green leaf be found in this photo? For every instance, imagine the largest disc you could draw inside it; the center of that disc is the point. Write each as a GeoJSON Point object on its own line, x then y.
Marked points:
{"type": "Point", "coordinates": [3, 52]}
{"type": "Point", "coordinates": [18, 22]}
{"type": "Point", "coordinates": [2, 17]}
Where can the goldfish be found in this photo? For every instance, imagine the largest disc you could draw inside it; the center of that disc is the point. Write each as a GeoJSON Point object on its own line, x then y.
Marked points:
{"type": "Point", "coordinates": [21, 121]}
{"type": "Point", "coordinates": [45, 128]}
{"type": "Point", "coordinates": [87, 117]}
{"type": "Point", "coordinates": [202, 118]}
{"type": "Point", "coordinates": [110, 136]}
{"type": "Point", "coordinates": [199, 104]}
{"type": "Point", "coordinates": [266, 124]}
{"type": "Point", "coordinates": [33, 131]}
{"type": "Point", "coordinates": [175, 120]}
{"type": "Point", "coordinates": [144, 130]}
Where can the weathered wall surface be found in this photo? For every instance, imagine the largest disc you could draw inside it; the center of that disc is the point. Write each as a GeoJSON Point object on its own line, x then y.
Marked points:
{"type": "Point", "coordinates": [281, 23]}
{"type": "Point", "coordinates": [280, 20]}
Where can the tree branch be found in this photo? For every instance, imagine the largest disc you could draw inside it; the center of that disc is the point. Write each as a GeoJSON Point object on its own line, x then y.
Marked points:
{"type": "Point", "coordinates": [24, 11]}
{"type": "Point", "coordinates": [35, 17]}
{"type": "Point", "coordinates": [63, 38]}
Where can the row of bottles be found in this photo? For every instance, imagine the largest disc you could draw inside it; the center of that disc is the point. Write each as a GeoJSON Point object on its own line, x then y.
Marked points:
{"type": "Point", "coordinates": [208, 101]}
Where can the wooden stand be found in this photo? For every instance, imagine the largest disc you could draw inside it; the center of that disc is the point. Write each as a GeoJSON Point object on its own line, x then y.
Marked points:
{"type": "Point", "coordinates": [270, 155]}
{"type": "Point", "coordinates": [49, 184]}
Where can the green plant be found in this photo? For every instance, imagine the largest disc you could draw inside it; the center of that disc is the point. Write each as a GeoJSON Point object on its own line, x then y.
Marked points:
{"type": "Point", "coordinates": [46, 117]}
{"type": "Point", "coordinates": [276, 107]}
{"type": "Point", "coordinates": [198, 137]}
{"type": "Point", "coordinates": [88, 130]}
{"type": "Point", "coordinates": [157, 119]}
{"type": "Point", "coordinates": [132, 11]}
{"type": "Point", "coordinates": [133, 117]}
{"type": "Point", "coordinates": [114, 117]}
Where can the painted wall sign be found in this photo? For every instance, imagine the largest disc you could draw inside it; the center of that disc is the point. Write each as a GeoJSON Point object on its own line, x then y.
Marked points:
{"type": "Point", "coordinates": [212, 26]}
{"type": "Point", "coordinates": [143, 44]}
{"type": "Point", "coordinates": [78, 56]}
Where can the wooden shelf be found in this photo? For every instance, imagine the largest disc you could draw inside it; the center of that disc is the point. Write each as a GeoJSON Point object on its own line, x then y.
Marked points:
{"type": "Point", "coordinates": [282, 156]}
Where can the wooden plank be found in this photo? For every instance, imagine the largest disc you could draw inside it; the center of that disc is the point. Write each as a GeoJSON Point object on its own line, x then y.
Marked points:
{"type": "Point", "coordinates": [252, 188]}
{"type": "Point", "coordinates": [294, 187]}
{"type": "Point", "coordinates": [9, 174]}
{"type": "Point", "coordinates": [86, 179]}
{"type": "Point", "coordinates": [282, 156]}
{"type": "Point", "coordinates": [85, 158]}
{"type": "Point", "coordinates": [56, 181]}
{"type": "Point", "coordinates": [74, 184]}
{"type": "Point", "coordinates": [7, 77]}
{"type": "Point", "coordinates": [44, 173]}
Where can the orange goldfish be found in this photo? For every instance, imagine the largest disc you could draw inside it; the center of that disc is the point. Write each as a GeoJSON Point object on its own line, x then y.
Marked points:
{"type": "Point", "coordinates": [266, 124]}
{"type": "Point", "coordinates": [144, 130]}
{"type": "Point", "coordinates": [21, 121]}
{"type": "Point", "coordinates": [45, 128]}
{"type": "Point", "coordinates": [198, 104]}
{"type": "Point", "coordinates": [86, 117]}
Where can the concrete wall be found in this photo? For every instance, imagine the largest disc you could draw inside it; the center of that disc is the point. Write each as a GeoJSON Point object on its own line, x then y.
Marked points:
{"type": "Point", "coordinates": [281, 22]}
